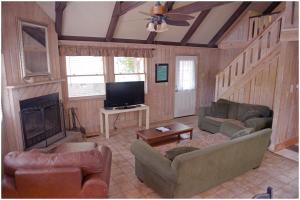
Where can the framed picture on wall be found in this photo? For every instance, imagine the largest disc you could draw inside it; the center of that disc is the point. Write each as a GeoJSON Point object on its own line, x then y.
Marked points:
{"type": "Point", "coordinates": [161, 72]}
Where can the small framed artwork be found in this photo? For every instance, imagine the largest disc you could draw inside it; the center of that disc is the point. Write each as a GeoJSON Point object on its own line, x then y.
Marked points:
{"type": "Point", "coordinates": [161, 73]}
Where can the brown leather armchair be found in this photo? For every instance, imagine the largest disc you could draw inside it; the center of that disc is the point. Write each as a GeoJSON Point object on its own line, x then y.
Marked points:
{"type": "Point", "coordinates": [72, 170]}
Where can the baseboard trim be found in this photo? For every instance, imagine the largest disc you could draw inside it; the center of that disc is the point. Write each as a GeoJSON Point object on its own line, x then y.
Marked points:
{"type": "Point", "coordinates": [286, 143]}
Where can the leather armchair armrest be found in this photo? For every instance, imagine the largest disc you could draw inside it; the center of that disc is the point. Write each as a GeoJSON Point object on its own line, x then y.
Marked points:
{"type": "Point", "coordinates": [94, 187]}
{"type": "Point", "coordinates": [153, 159]}
{"type": "Point", "coordinates": [9, 189]}
{"type": "Point", "coordinates": [107, 157]}
{"type": "Point", "coordinates": [51, 182]}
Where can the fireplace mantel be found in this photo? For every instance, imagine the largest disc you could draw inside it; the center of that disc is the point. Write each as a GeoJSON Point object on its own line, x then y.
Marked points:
{"type": "Point", "coordinates": [34, 84]}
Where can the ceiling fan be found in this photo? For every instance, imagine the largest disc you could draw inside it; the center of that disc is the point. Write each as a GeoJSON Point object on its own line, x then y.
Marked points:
{"type": "Point", "coordinates": [160, 18]}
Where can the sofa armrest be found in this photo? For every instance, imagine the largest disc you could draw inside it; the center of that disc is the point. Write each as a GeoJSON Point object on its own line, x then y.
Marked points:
{"type": "Point", "coordinates": [259, 123]}
{"type": "Point", "coordinates": [153, 159]}
{"type": "Point", "coordinates": [94, 187]}
{"type": "Point", "coordinates": [51, 182]}
{"type": "Point", "coordinates": [9, 189]}
{"type": "Point", "coordinates": [205, 111]}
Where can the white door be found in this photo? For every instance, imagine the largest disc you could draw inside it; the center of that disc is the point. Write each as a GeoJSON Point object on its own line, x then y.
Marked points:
{"type": "Point", "coordinates": [185, 86]}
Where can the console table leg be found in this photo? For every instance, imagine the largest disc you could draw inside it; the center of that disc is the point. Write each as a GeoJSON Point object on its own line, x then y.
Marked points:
{"type": "Point", "coordinates": [147, 118]}
{"type": "Point", "coordinates": [191, 135]}
{"type": "Point", "coordinates": [106, 127]}
{"type": "Point", "coordinates": [101, 123]}
{"type": "Point", "coordinates": [140, 118]}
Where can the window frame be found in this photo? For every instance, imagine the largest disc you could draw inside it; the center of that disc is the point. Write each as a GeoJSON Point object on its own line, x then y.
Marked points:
{"type": "Point", "coordinates": [145, 71]}
{"type": "Point", "coordinates": [75, 98]}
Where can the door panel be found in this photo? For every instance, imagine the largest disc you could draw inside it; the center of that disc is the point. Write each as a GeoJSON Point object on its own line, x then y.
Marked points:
{"type": "Point", "coordinates": [185, 86]}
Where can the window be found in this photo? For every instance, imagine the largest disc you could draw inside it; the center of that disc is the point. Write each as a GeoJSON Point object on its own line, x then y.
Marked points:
{"type": "Point", "coordinates": [129, 69]}
{"type": "Point", "coordinates": [185, 73]}
{"type": "Point", "coordinates": [85, 76]}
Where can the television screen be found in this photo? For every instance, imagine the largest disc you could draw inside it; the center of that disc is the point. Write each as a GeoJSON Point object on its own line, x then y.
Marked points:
{"type": "Point", "coordinates": [124, 93]}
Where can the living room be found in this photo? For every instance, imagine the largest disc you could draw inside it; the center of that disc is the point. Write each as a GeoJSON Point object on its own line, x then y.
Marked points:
{"type": "Point", "coordinates": [149, 99]}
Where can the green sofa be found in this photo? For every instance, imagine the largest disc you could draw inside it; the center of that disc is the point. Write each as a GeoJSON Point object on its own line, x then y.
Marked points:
{"type": "Point", "coordinates": [227, 117]}
{"type": "Point", "coordinates": [197, 171]}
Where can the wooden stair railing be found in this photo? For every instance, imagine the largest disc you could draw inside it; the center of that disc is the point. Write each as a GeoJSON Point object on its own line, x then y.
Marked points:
{"type": "Point", "coordinates": [261, 46]}
{"type": "Point", "coordinates": [257, 24]}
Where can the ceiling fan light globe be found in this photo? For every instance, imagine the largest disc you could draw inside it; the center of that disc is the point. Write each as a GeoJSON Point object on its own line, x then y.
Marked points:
{"type": "Point", "coordinates": [150, 27]}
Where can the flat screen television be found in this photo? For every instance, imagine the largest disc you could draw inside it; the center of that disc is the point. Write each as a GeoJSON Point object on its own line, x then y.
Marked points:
{"type": "Point", "coordinates": [120, 94]}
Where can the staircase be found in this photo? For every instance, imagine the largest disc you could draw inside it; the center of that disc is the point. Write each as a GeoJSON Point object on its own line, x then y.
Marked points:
{"type": "Point", "coordinates": [256, 65]}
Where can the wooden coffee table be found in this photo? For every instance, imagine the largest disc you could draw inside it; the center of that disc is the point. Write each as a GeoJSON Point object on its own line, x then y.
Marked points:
{"type": "Point", "coordinates": [152, 135]}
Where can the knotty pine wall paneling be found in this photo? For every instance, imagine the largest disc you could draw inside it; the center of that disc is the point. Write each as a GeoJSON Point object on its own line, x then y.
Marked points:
{"type": "Point", "coordinates": [160, 96]}
{"type": "Point", "coordinates": [286, 106]}
{"type": "Point", "coordinates": [14, 88]}
{"type": "Point", "coordinates": [12, 12]}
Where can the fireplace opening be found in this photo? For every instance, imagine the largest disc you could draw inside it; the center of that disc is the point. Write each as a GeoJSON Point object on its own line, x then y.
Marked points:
{"type": "Point", "coordinates": [42, 121]}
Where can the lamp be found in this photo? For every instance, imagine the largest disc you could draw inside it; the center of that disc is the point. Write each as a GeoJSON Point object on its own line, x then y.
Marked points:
{"type": "Point", "coordinates": [150, 27]}
{"type": "Point", "coordinates": [157, 27]}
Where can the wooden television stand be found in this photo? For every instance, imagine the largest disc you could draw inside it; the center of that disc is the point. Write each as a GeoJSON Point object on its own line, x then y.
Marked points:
{"type": "Point", "coordinates": [104, 115]}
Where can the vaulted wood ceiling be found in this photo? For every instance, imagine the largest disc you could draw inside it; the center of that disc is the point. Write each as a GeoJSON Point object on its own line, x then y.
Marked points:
{"type": "Point", "coordinates": [121, 21]}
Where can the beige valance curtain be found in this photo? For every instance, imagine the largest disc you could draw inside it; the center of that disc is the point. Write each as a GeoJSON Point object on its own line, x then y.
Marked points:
{"type": "Point", "coordinates": [67, 50]}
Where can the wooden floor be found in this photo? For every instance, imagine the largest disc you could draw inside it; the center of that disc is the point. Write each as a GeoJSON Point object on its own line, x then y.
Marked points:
{"type": "Point", "coordinates": [276, 171]}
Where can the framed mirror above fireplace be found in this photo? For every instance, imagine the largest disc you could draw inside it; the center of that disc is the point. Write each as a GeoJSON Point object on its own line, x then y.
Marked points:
{"type": "Point", "coordinates": [34, 49]}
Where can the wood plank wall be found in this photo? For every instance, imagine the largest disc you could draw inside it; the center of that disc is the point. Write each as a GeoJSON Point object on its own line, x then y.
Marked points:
{"type": "Point", "coordinates": [14, 88]}
{"type": "Point", "coordinates": [286, 106]}
{"type": "Point", "coordinates": [160, 96]}
{"type": "Point", "coordinates": [12, 12]}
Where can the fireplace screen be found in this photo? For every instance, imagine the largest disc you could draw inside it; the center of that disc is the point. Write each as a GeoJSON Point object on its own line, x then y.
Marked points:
{"type": "Point", "coordinates": [42, 120]}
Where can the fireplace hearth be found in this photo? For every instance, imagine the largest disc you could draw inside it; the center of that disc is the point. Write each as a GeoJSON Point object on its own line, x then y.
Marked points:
{"type": "Point", "coordinates": [42, 121]}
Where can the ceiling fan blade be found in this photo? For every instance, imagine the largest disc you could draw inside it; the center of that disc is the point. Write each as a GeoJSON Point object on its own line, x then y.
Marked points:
{"type": "Point", "coordinates": [144, 13]}
{"type": "Point", "coordinates": [177, 23]}
{"type": "Point", "coordinates": [179, 16]}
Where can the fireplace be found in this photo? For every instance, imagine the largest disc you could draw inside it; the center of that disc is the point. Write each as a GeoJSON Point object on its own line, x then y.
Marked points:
{"type": "Point", "coordinates": [42, 121]}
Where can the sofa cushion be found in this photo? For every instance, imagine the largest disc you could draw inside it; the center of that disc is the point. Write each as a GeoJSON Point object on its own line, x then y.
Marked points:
{"type": "Point", "coordinates": [242, 132]}
{"type": "Point", "coordinates": [259, 123]}
{"type": "Point", "coordinates": [172, 153]}
{"type": "Point", "coordinates": [233, 110]}
{"type": "Point", "coordinates": [219, 110]}
{"type": "Point", "coordinates": [88, 161]}
{"type": "Point", "coordinates": [230, 127]}
{"type": "Point", "coordinates": [215, 120]}
{"type": "Point", "coordinates": [250, 114]}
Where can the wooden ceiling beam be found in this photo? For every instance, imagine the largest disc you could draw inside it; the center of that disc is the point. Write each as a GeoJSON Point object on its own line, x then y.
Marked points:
{"type": "Point", "coordinates": [168, 5]}
{"type": "Point", "coordinates": [59, 10]}
{"type": "Point", "coordinates": [197, 6]}
{"type": "Point", "coordinates": [122, 40]}
{"type": "Point", "coordinates": [194, 26]}
{"type": "Point", "coordinates": [229, 23]}
{"type": "Point", "coordinates": [271, 7]}
{"type": "Point", "coordinates": [113, 21]}
{"type": "Point", "coordinates": [120, 9]}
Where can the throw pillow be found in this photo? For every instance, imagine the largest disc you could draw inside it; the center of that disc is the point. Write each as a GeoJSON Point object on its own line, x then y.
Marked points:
{"type": "Point", "coordinates": [243, 132]}
{"type": "Point", "coordinates": [250, 114]}
{"type": "Point", "coordinates": [259, 123]}
{"type": "Point", "coordinates": [172, 153]}
{"type": "Point", "coordinates": [219, 110]}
